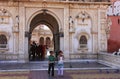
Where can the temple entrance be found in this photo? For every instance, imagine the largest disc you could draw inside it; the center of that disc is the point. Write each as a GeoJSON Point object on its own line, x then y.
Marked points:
{"type": "Point", "coordinates": [44, 37]}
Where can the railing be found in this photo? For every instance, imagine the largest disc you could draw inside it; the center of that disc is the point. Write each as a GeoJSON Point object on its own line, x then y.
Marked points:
{"type": "Point", "coordinates": [83, 56]}
{"type": "Point", "coordinates": [109, 59]}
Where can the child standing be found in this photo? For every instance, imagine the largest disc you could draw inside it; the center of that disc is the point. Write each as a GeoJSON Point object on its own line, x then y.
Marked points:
{"type": "Point", "coordinates": [51, 63]}
{"type": "Point", "coordinates": [60, 63]}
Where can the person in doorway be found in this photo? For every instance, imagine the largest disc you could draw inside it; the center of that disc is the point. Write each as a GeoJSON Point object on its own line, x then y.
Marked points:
{"type": "Point", "coordinates": [33, 50]}
{"type": "Point", "coordinates": [38, 52]}
{"type": "Point", "coordinates": [60, 63]}
{"type": "Point", "coordinates": [51, 63]}
{"type": "Point", "coordinates": [42, 50]}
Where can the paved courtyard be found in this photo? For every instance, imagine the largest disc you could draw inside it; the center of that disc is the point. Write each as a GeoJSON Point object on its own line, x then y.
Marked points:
{"type": "Point", "coordinates": [43, 65]}
{"type": "Point", "coordinates": [73, 70]}
{"type": "Point", "coordinates": [68, 74]}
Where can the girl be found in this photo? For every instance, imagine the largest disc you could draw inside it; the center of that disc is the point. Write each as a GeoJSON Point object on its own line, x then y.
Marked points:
{"type": "Point", "coordinates": [60, 63]}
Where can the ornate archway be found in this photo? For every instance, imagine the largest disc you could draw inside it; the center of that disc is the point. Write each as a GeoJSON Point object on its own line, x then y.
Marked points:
{"type": "Point", "coordinates": [49, 20]}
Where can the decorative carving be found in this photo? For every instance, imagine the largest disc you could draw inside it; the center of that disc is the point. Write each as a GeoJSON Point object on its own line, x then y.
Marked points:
{"type": "Point", "coordinates": [83, 19]}
{"type": "Point", "coordinates": [44, 4]}
{"type": "Point", "coordinates": [16, 27]}
{"type": "Point", "coordinates": [103, 6]}
{"type": "Point", "coordinates": [107, 29]}
{"type": "Point", "coordinates": [81, 23]}
{"type": "Point", "coordinates": [109, 22]}
{"type": "Point", "coordinates": [71, 24]}
{"type": "Point", "coordinates": [83, 15]}
{"type": "Point", "coordinates": [4, 16]}
{"type": "Point", "coordinates": [94, 6]}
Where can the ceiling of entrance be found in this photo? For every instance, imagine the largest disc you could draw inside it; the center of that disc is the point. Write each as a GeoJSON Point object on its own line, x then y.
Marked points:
{"type": "Point", "coordinates": [44, 18]}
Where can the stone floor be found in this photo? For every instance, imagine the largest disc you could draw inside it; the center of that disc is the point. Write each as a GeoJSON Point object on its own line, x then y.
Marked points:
{"type": "Point", "coordinates": [44, 65]}
{"type": "Point", "coordinates": [72, 70]}
{"type": "Point", "coordinates": [68, 74]}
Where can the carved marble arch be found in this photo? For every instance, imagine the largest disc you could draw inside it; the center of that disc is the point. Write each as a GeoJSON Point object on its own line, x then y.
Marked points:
{"type": "Point", "coordinates": [78, 35]}
{"type": "Point", "coordinates": [4, 39]}
{"type": "Point", "coordinates": [6, 34]}
{"type": "Point", "coordinates": [83, 40]}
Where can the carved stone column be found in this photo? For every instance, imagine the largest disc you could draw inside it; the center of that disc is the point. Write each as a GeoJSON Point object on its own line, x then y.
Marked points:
{"type": "Point", "coordinates": [71, 36]}
{"type": "Point", "coordinates": [66, 31]}
{"type": "Point", "coordinates": [16, 38]}
{"type": "Point", "coordinates": [23, 45]}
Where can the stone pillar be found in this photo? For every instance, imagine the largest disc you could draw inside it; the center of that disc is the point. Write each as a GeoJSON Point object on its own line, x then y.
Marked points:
{"type": "Point", "coordinates": [95, 29]}
{"type": "Point", "coordinates": [66, 32]}
{"type": "Point", "coordinates": [96, 42]}
{"type": "Point", "coordinates": [23, 46]}
{"type": "Point", "coordinates": [71, 42]}
{"type": "Point", "coordinates": [99, 32]}
{"type": "Point", "coordinates": [102, 39]}
{"type": "Point", "coordinates": [15, 30]}
{"type": "Point", "coordinates": [16, 42]}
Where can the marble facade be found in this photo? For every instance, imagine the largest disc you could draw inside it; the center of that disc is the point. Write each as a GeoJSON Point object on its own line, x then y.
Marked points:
{"type": "Point", "coordinates": [74, 19]}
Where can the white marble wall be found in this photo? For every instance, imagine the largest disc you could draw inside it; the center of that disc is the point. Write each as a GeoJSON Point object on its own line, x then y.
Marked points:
{"type": "Point", "coordinates": [18, 43]}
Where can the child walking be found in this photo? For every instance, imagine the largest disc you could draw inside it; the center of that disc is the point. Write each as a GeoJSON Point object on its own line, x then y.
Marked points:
{"type": "Point", "coordinates": [51, 63]}
{"type": "Point", "coordinates": [60, 63]}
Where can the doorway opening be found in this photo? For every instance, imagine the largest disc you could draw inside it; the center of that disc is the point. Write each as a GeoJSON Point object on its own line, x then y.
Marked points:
{"type": "Point", "coordinates": [44, 36]}
{"type": "Point", "coordinates": [41, 43]}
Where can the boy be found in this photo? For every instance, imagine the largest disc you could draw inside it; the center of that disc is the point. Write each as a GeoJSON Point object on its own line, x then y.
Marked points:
{"type": "Point", "coordinates": [51, 63]}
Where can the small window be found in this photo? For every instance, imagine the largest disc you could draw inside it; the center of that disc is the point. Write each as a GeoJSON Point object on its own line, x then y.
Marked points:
{"type": "Point", "coordinates": [3, 41]}
{"type": "Point", "coordinates": [83, 41]}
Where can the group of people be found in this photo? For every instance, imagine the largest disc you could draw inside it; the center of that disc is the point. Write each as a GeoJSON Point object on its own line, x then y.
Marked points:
{"type": "Point", "coordinates": [37, 52]}
{"type": "Point", "coordinates": [51, 63]}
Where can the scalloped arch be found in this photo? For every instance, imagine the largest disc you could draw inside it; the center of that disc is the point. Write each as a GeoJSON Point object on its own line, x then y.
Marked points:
{"type": "Point", "coordinates": [39, 12]}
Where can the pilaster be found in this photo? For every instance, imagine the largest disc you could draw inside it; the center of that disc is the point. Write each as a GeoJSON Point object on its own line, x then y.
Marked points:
{"type": "Point", "coordinates": [66, 31]}
{"type": "Point", "coordinates": [23, 47]}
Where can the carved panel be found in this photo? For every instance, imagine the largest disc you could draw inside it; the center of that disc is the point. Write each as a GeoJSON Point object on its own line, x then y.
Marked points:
{"type": "Point", "coordinates": [4, 16]}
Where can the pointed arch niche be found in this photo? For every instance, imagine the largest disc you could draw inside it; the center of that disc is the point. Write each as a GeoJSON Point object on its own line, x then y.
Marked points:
{"type": "Point", "coordinates": [83, 36]}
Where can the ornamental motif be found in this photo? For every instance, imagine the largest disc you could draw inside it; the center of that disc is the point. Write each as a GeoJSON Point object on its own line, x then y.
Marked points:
{"type": "Point", "coordinates": [4, 16]}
